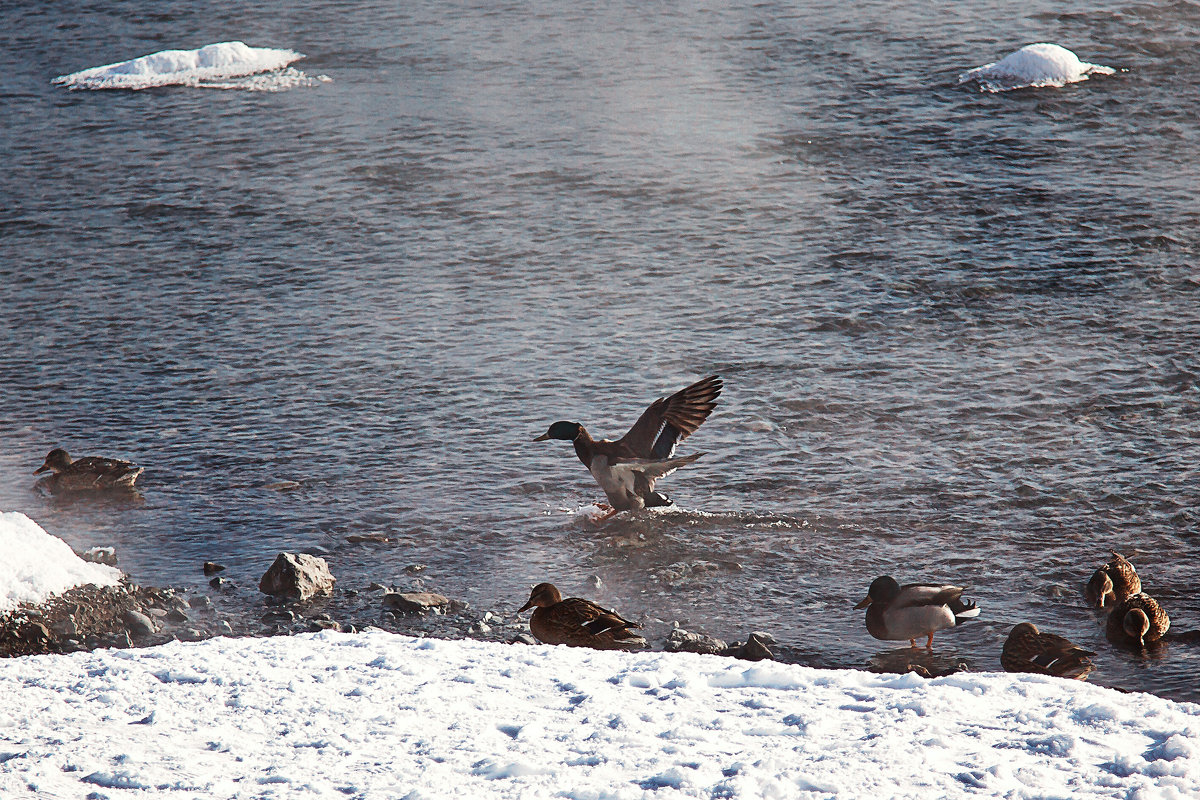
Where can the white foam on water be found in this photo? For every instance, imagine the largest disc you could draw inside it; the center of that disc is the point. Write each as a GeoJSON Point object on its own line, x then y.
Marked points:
{"type": "Point", "coordinates": [224, 65]}
{"type": "Point", "coordinates": [37, 565]}
{"type": "Point", "coordinates": [1033, 66]}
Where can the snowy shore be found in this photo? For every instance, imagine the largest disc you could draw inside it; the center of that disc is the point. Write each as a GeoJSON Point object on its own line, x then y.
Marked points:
{"type": "Point", "coordinates": [376, 715]}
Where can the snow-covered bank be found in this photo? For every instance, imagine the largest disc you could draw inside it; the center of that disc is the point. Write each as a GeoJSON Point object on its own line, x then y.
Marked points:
{"type": "Point", "coordinates": [224, 65]}
{"type": "Point", "coordinates": [37, 565]}
{"type": "Point", "coordinates": [376, 715]}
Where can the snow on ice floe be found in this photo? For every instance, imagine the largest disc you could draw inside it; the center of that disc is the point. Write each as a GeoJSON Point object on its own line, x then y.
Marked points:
{"type": "Point", "coordinates": [224, 65]}
{"type": "Point", "coordinates": [377, 715]}
{"type": "Point", "coordinates": [37, 565]}
{"type": "Point", "coordinates": [1033, 66]}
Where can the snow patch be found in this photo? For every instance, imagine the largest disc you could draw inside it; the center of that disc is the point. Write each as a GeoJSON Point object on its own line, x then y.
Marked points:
{"type": "Point", "coordinates": [1033, 66]}
{"type": "Point", "coordinates": [224, 65]}
{"type": "Point", "coordinates": [287, 715]}
{"type": "Point", "coordinates": [37, 566]}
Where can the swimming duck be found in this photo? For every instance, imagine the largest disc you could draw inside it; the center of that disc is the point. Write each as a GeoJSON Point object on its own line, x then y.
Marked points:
{"type": "Point", "coordinates": [896, 612]}
{"type": "Point", "coordinates": [90, 473]}
{"type": "Point", "coordinates": [628, 468]}
{"type": "Point", "coordinates": [1137, 621]}
{"type": "Point", "coordinates": [1113, 582]}
{"type": "Point", "coordinates": [577, 622]}
{"type": "Point", "coordinates": [1029, 650]}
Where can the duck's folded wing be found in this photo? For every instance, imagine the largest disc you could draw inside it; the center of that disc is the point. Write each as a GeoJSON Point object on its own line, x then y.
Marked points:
{"type": "Point", "coordinates": [929, 594]}
{"type": "Point", "coordinates": [670, 420]}
{"type": "Point", "coordinates": [580, 613]}
{"type": "Point", "coordinates": [102, 465]}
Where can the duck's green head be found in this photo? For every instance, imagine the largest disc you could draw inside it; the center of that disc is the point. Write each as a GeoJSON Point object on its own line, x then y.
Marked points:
{"type": "Point", "coordinates": [561, 430]}
{"type": "Point", "coordinates": [883, 590]}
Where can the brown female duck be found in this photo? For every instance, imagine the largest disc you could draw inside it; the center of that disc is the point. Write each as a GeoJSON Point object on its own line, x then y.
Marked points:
{"type": "Point", "coordinates": [1029, 650]}
{"type": "Point", "coordinates": [1137, 621]}
{"type": "Point", "coordinates": [1113, 582]}
{"type": "Point", "coordinates": [628, 468]}
{"type": "Point", "coordinates": [896, 612]}
{"type": "Point", "coordinates": [577, 622]}
{"type": "Point", "coordinates": [88, 474]}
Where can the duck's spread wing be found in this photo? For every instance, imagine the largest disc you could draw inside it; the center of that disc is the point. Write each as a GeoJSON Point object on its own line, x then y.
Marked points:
{"type": "Point", "coordinates": [670, 420]}
{"type": "Point", "coordinates": [653, 470]}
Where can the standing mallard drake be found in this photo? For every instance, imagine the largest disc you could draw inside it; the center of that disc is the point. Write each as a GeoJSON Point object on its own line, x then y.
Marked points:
{"type": "Point", "coordinates": [1113, 582]}
{"type": "Point", "coordinates": [88, 474]}
{"type": "Point", "coordinates": [577, 622]}
{"type": "Point", "coordinates": [896, 612]}
{"type": "Point", "coordinates": [1137, 621]}
{"type": "Point", "coordinates": [1029, 650]}
{"type": "Point", "coordinates": [628, 468]}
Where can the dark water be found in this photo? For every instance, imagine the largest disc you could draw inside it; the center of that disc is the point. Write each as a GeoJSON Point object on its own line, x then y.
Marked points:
{"type": "Point", "coordinates": [959, 331]}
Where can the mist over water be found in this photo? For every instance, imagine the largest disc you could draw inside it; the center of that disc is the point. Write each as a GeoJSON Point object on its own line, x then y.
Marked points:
{"type": "Point", "coordinates": [958, 331]}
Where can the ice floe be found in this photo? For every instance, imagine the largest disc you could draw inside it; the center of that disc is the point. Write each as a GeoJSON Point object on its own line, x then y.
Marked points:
{"type": "Point", "coordinates": [376, 715]}
{"type": "Point", "coordinates": [224, 65]}
{"type": "Point", "coordinates": [37, 565]}
{"type": "Point", "coordinates": [1033, 66]}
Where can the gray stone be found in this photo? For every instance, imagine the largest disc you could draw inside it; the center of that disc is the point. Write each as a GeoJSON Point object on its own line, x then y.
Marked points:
{"type": "Point", "coordinates": [415, 602]}
{"type": "Point", "coordinates": [681, 641]}
{"type": "Point", "coordinates": [100, 555]}
{"type": "Point", "coordinates": [200, 601]}
{"type": "Point", "coordinates": [176, 616]}
{"type": "Point", "coordinates": [138, 623]}
{"type": "Point", "coordinates": [297, 576]}
{"type": "Point", "coordinates": [523, 638]}
{"type": "Point", "coordinates": [212, 568]}
{"type": "Point", "coordinates": [755, 649]}
{"type": "Point", "coordinates": [67, 628]}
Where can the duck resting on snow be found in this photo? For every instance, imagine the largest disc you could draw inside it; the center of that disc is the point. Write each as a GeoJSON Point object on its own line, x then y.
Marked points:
{"type": "Point", "coordinates": [577, 622]}
{"type": "Point", "coordinates": [90, 473]}
{"type": "Point", "coordinates": [628, 468]}
{"type": "Point", "coordinates": [896, 612]}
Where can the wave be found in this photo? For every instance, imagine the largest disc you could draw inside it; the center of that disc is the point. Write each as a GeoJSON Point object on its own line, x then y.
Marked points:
{"type": "Point", "coordinates": [1033, 66]}
{"type": "Point", "coordinates": [224, 65]}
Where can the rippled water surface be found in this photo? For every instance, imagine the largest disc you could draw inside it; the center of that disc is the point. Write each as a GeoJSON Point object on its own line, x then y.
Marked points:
{"type": "Point", "coordinates": [958, 331]}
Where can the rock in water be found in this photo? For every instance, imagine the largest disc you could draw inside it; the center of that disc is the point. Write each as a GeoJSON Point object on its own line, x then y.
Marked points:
{"type": "Point", "coordinates": [1033, 66]}
{"type": "Point", "coordinates": [681, 641]}
{"type": "Point", "coordinates": [297, 576]}
{"type": "Point", "coordinates": [415, 602]}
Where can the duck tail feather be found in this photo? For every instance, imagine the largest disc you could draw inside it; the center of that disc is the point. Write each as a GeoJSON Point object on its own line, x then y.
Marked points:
{"type": "Point", "coordinates": [964, 610]}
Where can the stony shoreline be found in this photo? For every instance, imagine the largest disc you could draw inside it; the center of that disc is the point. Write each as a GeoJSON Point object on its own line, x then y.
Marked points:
{"type": "Point", "coordinates": [129, 615]}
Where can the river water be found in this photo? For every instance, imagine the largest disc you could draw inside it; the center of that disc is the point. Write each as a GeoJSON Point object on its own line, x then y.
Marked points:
{"type": "Point", "coordinates": [958, 330]}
